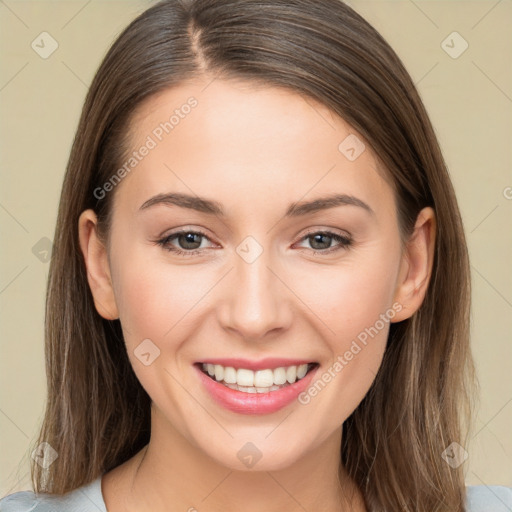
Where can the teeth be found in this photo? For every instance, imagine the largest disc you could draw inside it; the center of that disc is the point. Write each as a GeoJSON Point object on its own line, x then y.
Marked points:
{"type": "Point", "coordinates": [259, 381]}
{"type": "Point", "coordinates": [291, 374]}
{"type": "Point", "coordinates": [229, 375]}
{"type": "Point", "coordinates": [302, 370]}
{"type": "Point", "coordinates": [253, 389]}
{"type": "Point", "coordinates": [219, 372]}
{"type": "Point", "coordinates": [279, 376]}
{"type": "Point", "coordinates": [263, 378]}
{"type": "Point", "coordinates": [244, 377]}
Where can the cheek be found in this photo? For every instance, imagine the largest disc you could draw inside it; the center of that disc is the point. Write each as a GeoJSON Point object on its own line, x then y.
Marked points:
{"type": "Point", "coordinates": [355, 305]}
{"type": "Point", "coordinates": [155, 299]}
{"type": "Point", "coordinates": [351, 296]}
{"type": "Point", "coordinates": [157, 302]}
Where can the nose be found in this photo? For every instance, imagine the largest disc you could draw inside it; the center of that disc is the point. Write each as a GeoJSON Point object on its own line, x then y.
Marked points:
{"type": "Point", "coordinates": [257, 303]}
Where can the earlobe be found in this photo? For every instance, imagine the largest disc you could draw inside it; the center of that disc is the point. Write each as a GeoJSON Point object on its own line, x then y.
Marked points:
{"type": "Point", "coordinates": [416, 265]}
{"type": "Point", "coordinates": [97, 266]}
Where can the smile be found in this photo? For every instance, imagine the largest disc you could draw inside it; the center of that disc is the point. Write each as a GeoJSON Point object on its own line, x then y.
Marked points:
{"type": "Point", "coordinates": [259, 381]}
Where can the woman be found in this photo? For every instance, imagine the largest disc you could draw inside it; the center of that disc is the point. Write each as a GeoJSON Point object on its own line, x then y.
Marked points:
{"type": "Point", "coordinates": [259, 292]}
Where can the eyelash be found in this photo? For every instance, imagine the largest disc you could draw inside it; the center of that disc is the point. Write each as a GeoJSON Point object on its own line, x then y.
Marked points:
{"type": "Point", "coordinates": [344, 242]}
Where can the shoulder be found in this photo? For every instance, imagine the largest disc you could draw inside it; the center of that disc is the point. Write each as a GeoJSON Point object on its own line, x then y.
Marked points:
{"type": "Point", "coordinates": [480, 498]}
{"type": "Point", "coordinates": [493, 498]}
{"type": "Point", "coordinates": [87, 498]}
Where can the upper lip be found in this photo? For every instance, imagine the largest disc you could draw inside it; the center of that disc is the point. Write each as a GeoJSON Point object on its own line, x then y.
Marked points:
{"type": "Point", "coordinates": [263, 364]}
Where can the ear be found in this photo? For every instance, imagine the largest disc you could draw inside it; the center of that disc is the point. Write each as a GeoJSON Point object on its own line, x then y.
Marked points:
{"type": "Point", "coordinates": [97, 265]}
{"type": "Point", "coordinates": [416, 265]}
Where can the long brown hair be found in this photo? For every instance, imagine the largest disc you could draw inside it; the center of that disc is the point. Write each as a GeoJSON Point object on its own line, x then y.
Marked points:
{"type": "Point", "coordinates": [97, 414]}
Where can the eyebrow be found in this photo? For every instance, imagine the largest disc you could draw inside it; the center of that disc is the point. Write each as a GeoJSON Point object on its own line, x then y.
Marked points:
{"type": "Point", "coordinates": [296, 209]}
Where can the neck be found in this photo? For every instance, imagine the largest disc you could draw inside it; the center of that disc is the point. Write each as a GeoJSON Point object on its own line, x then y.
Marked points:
{"type": "Point", "coordinates": [172, 473]}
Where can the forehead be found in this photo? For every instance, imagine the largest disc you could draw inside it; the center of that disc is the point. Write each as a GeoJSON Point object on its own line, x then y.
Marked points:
{"type": "Point", "coordinates": [240, 140]}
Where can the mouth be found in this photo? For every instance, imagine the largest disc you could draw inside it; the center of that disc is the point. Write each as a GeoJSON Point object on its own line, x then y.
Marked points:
{"type": "Point", "coordinates": [262, 380]}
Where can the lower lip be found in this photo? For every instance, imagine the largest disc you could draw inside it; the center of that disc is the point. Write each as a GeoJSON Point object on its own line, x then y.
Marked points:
{"type": "Point", "coordinates": [254, 403]}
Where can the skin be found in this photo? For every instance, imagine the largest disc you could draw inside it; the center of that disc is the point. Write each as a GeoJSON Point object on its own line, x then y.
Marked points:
{"type": "Point", "coordinates": [255, 150]}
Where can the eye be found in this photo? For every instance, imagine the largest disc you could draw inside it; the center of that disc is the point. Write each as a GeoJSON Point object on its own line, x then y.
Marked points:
{"type": "Point", "coordinates": [187, 239]}
{"type": "Point", "coordinates": [190, 242]}
{"type": "Point", "coordinates": [321, 241]}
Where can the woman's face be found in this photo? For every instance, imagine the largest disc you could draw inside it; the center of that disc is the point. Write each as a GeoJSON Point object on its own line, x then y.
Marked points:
{"type": "Point", "coordinates": [270, 275]}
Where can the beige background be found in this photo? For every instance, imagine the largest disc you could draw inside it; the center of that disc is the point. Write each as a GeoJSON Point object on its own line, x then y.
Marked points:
{"type": "Point", "coordinates": [469, 99]}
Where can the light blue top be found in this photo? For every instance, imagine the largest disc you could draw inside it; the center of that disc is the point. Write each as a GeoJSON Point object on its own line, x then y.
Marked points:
{"type": "Point", "coordinates": [89, 498]}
